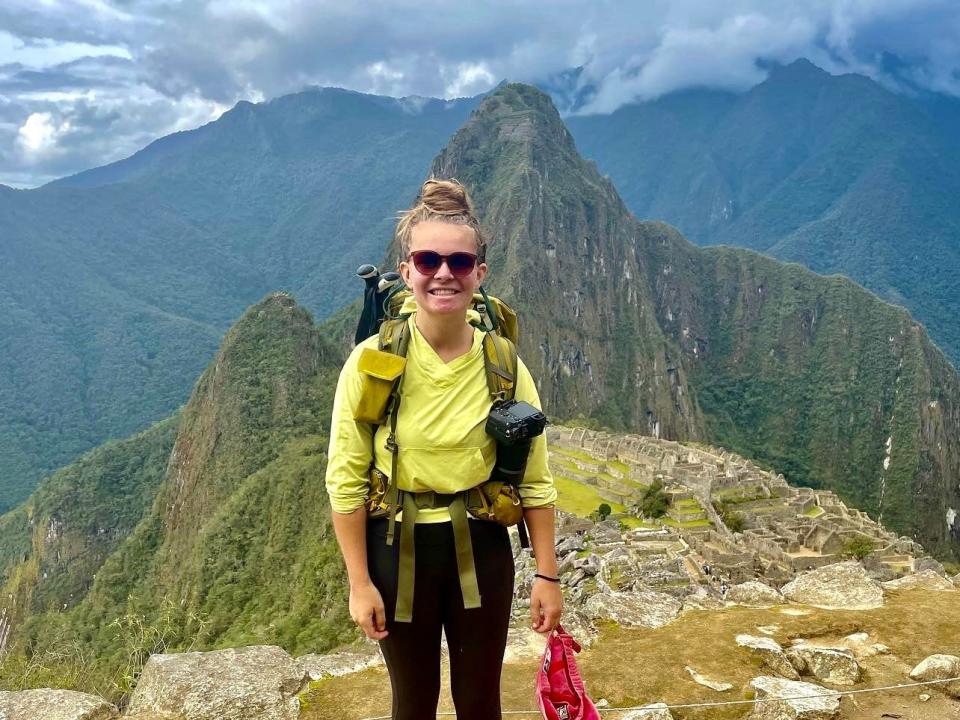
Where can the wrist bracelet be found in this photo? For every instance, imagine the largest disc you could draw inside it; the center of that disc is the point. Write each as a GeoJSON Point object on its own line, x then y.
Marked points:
{"type": "Point", "coordinates": [546, 577]}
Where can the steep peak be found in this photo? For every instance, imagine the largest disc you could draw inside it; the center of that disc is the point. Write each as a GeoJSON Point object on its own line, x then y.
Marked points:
{"type": "Point", "coordinates": [800, 69]}
{"type": "Point", "coordinates": [516, 126]}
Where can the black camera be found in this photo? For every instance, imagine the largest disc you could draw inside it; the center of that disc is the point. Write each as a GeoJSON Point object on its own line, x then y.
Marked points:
{"type": "Point", "coordinates": [513, 425]}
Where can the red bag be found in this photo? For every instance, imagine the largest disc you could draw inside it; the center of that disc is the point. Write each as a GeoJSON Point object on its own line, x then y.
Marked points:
{"type": "Point", "coordinates": [560, 691]}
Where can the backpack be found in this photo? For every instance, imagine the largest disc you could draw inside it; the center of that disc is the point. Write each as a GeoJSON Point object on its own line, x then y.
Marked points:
{"type": "Point", "coordinates": [560, 691]}
{"type": "Point", "coordinates": [382, 377]}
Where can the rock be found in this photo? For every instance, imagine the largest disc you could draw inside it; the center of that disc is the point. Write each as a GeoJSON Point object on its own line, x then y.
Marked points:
{"type": "Point", "coordinates": [566, 563]}
{"type": "Point", "coordinates": [842, 586]}
{"type": "Point", "coordinates": [46, 704]}
{"type": "Point", "coordinates": [939, 667]}
{"type": "Point", "coordinates": [754, 594]}
{"type": "Point", "coordinates": [823, 706]}
{"type": "Point", "coordinates": [956, 579]}
{"type": "Point", "coordinates": [927, 579]}
{"type": "Point", "coordinates": [259, 682]}
{"type": "Point", "coordinates": [590, 564]}
{"type": "Point", "coordinates": [523, 644]}
{"type": "Point", "coordinates": [577, 577]}
{"type": "Point", "coordinates": [571, 543]}
{"type": "Point", "coordinates": [861, 647]}
{"type": "Point", "coordinates": [643, 608]}
{"type": "Point", "coordinates": [316, 666]}
{"type": "Point", "coordinates": [656, 711]}
{"type": "Point", "coordinates": [836, 666]}
{"type": "Point", "coordinates": [927, 563]}
{"type": "Point", "coordinates": [923, 697]}
{"type": "Point", "coordinates": [769, 652]}
{"type": "Point", "coordinates": [700, 600]}
{"type": "Point", "coordinates": [707, 682]}
{"type": "Point", "coordinates": [607, 531]}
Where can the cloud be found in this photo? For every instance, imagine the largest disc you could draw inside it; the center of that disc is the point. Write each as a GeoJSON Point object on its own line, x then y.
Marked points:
{"type": "Point", "coordinates": [111, 75]}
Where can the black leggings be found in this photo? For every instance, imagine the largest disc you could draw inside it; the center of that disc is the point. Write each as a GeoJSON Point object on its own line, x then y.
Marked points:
{"type": "Point", "coordinates": [476, 638]}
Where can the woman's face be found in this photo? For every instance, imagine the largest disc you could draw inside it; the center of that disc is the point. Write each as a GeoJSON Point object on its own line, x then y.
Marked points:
{"type": "Point", "coordinates": [442, 293]}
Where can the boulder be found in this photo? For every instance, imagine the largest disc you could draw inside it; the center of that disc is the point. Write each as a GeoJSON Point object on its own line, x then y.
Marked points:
{"type": "Point", "coordinates": [523, 643]}
{"type": "Point", "coordinates": [836, 666]}
{"type": "Point", "coordinates": [259, 682]}
{"type": "Point", "coordinates": [46, 704]}
{"type": "Point", "coordinates": [344, 662]}
{"type": "Point", "coordinates": [655, 711]}
{"type": "Point", "coordinates": [700, 599]}
{"type": "Point", "coordinates": [939, 667]}
{"type": "Point", "coordinates": [842, 586]}
{"type": "Point", "coordinates": [717, 685]}
{"type": "Point", "coordinates": [926, 579]}
{"type": "Point", "coordinates": [605, 532]}
{"type": "Point", "coordinates": [769, 652]}
{"type": "Point", "coordinates": [643, 608]}
{"type": "Point", "coordinates": [818, 703]}
{"type": "Point", "coordinates": [956, 579]}
{"type": "Point", "coordinates": [754, 594]}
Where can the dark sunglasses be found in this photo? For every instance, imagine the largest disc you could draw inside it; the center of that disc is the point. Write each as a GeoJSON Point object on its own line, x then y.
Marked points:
{"type": "Point", "coordinates": [428, 262]}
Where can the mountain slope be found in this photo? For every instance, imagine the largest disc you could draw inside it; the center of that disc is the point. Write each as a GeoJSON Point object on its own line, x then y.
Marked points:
{"type": "Point", "coordinates": [834, 172]}
{"type": "Point", "coordinates": [230, 541]}
{"type": "Point", "coordinates": [117, 284]}
{"type": "Point", "coordinates": [627, 322]}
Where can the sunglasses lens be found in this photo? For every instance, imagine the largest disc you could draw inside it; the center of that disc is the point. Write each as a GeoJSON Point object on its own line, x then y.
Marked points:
{"type": "Point", "coordinates": [427, 262]}
{"type": "Point", "coordinates": [461, 264]}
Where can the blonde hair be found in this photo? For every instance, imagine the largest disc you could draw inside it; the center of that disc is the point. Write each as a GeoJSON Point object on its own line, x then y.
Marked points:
{"type": "Point", "coordinates": [441, 201]}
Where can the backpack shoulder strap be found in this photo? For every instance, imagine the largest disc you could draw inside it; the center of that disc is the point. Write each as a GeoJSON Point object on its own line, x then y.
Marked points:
{"type": "Point", "coordinates": [500, 364]}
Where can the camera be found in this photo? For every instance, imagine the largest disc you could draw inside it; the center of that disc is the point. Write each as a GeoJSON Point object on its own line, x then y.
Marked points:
{"type": "Point", "coordinates": [513, 425]}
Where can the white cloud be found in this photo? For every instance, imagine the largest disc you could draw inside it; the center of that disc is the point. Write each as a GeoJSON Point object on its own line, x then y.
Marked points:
{"type": "Point", "coordinates": [39, 133]}
{"type": "Point", "coordinates": [467, 79]}
{"type": "Point", "coordinates": [123, 73]}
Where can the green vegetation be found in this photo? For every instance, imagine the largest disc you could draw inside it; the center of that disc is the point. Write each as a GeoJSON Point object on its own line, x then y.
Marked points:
{"type": "Point", "coordinates": [654, 501]}
{"type": "Point", "coordinates": [119, 283]}
{"type": "Point", "coordinates": [235, 545]}
{"type": "Point", "coordinates": [858, 547]}
{"type": "Point", "coordinates": [579, 498]}
{"type": "Point", "coordinates": [603, 511]}
{"type": "Point", "coordinates": [815, 511]}
{"type": "Point", "coordinates": [734, 520]}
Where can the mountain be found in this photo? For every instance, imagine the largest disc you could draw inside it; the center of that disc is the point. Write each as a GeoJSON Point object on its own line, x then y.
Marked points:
{"type": "Point", "coordinates": [834, 172]}
{"type": "Point", "coordinates": [626, 322]}
{"type": "Point", "coordinates": [117, 284]}
{"type": "Point", "coordinates": [220, 536]}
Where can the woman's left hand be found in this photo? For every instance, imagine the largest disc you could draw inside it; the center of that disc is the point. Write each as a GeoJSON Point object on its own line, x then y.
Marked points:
{"type": "Point", "coordinates": [546, 605]}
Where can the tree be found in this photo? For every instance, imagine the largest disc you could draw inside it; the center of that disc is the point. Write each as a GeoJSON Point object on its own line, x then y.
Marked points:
{"type": "Point", "coordinates": [858, 547]}
{"type": "Point", "coordinates": [603, 512]}
{"type": "Point", "coordinates": [655, 501]}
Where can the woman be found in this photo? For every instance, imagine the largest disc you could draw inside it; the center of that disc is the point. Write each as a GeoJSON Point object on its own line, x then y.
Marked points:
{"type": "Point", "coordinates": [443, 447]}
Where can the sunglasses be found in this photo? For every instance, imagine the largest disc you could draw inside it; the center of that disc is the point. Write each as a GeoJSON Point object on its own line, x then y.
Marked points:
{"type": "Point", "coordinates": [428, 262]}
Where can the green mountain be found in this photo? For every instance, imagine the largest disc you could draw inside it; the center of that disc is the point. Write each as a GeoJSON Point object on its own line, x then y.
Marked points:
{"type": "Point", "coordinates": [227, 539]}
{"type": "Point", "coordinates": [626, 322]}
{"type": "Point", "coordinates": [220, 537]}
{"type": "Point", "coordinates": [834, 172]}
{"type": "Point", "coordinates": [117, 284]}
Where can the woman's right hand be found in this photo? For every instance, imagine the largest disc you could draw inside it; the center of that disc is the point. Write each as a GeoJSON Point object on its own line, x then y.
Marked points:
{"type": "Point", "coordinates": [366, 609]}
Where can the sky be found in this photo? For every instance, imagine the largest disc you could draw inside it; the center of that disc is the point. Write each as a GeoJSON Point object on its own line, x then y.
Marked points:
{"type": "Point", "coordinates": [87, 82]}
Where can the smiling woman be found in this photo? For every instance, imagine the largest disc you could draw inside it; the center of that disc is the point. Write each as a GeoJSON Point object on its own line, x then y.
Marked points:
{"type": "Point", "coordinates": [447, 572]}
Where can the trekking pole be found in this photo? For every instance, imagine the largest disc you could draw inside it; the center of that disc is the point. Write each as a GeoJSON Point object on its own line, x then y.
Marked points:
{"type": "Point", "coordinates": [368, 323]}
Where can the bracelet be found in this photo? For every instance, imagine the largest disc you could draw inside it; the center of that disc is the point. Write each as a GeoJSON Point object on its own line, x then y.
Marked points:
{"type": "Point", "coordinates": [546, 577]}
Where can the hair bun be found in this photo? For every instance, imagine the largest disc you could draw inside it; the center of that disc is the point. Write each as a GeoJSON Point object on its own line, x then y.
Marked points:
{"type": "Point", "coordinates": [446, 197]}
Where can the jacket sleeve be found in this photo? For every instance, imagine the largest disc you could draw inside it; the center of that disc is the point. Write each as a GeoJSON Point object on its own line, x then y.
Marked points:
{"type": "Point", "coordinates": [537, 488]}
{"type": "Point", "coordinates": [351, 444]}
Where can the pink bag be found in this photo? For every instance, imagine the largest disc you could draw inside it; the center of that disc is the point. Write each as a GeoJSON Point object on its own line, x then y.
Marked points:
{"type": "Point", "coordinates": [560, 691]}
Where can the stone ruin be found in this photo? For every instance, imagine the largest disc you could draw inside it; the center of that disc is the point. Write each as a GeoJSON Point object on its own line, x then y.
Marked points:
{"type": "Point", "coordinates": [783, 530]}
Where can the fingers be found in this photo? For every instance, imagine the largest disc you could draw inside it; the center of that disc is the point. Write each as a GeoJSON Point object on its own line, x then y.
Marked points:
{"type": "Point", "coordinates": [374, 624]}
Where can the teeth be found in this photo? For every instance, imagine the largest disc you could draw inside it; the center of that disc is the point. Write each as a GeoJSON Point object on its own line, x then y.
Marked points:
{"type": "Point", "coordinates": [443, 292]}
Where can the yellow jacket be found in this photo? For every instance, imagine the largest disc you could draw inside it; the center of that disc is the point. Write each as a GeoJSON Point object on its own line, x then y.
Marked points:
{"type": "Point", "coordinates": [440, 431]}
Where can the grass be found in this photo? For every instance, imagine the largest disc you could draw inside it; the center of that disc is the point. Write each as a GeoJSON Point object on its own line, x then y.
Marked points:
{"type": "Point", "coordinates": [580, 455]}
{"type": "Point", "coordinates": [629, 666]}
{"type": "Point", "coordinates": [815, 511]}
{"type": "Point", "coordinates": [580, 499]}
{"type": "Point", "coordinates": [703, 522]}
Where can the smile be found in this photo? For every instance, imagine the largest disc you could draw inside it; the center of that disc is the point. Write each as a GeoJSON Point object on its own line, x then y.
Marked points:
{"type": "Point", "coordinates": [443, 291]}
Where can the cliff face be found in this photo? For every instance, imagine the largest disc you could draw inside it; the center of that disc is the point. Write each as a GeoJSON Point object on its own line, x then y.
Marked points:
{"type": "Point", "coordinates": [626, 322]}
